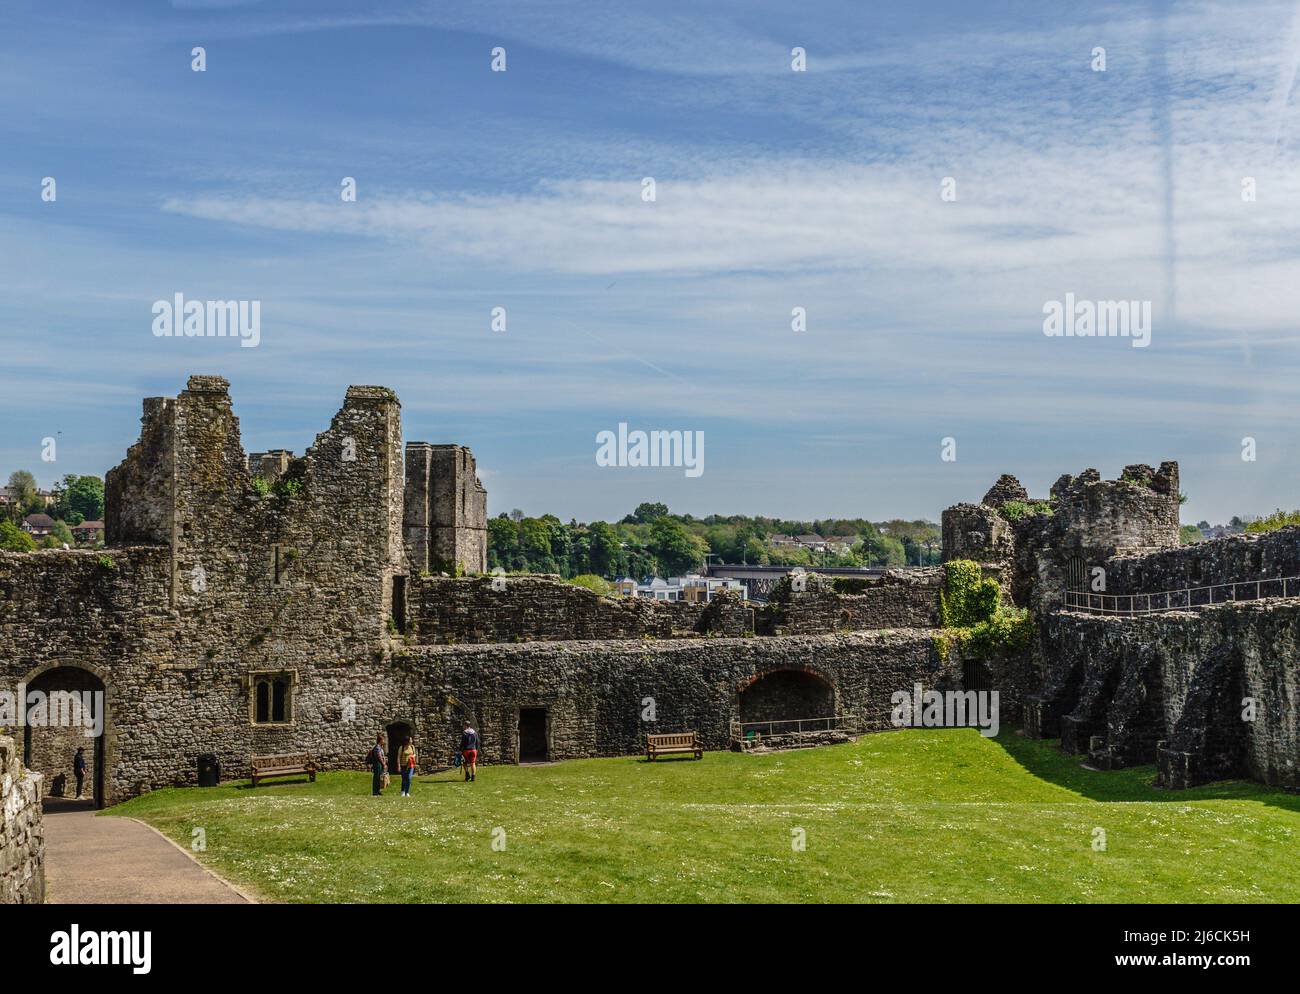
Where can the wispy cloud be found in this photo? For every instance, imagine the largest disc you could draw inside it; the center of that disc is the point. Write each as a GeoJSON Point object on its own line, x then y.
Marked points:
{"type": "Point", "coordinates": [775, 190]}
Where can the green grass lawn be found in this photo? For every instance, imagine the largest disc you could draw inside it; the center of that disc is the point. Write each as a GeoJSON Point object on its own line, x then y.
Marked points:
{"type": "Point", "coordinates": [916, 815]}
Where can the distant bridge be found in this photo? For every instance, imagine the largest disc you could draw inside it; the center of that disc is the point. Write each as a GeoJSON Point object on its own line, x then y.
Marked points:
{"type": "Point", "coordinates": [759, 581]}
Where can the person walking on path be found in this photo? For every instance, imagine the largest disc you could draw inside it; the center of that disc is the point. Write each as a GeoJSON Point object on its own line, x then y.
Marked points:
{"type": "Point", "coordinates": [469, 751]}
{"type": "Point", "coordinates": [79, 769]}
{"type": "Point", "coordinates": [378, 765]}
{"type": "Point", "coordinates": [406, 761]}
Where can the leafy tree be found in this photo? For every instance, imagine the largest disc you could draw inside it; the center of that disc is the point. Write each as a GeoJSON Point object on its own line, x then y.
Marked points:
{"type": "Point", "coordinates": [534, 539]}
{"type": "Point", "coordinates": [79, 495]}
{"type": "Point", "coordinates": [878, 549]}
{"type": "Point", "coordinates": [14, 539]}
{"type": "Point", "coordinates": [62, 533]}
{"type": "Point", "coordinates": [646, 514]}
{"type": "Point", "coordinates": [596, 584]}
{"type": "Point", "coordinates": [676, 549]}
{"type": "Point", "coordinates": [603, 548]}
{"type": "Point", "coordinates": [22, 488]}
{"type": "Point", "coordinates": [503, 543]}
{"type": "Point", "coordinates": [1278, 519]}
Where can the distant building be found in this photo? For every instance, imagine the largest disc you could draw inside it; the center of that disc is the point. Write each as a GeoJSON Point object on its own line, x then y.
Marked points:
{"type": "Point", "coordinates": [692, 588]}
{"type": "Point", "coordinates": [269, 465]}
{"type": "Point", "coordinates": [8, 497]}
{"type": "Point", "coordinates": [88, 532]}
{"type": "Point", "coordinates": [38, 525]}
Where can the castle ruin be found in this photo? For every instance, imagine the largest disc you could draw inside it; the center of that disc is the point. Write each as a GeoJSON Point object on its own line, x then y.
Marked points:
{"type": "Point", "coordinates": [346, 595]}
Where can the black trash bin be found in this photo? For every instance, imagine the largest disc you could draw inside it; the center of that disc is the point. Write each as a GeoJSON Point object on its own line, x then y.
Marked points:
{"type": "Point", "coordinates": [209, 770]}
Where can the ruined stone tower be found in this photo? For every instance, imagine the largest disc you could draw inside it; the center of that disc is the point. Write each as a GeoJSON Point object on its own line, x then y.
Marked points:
{"type": "Point", "coordinates": [446, 510]}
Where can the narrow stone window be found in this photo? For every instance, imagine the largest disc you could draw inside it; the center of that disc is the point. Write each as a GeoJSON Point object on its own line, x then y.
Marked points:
{"type": "Point", "coordinates": [262, 709]}
{"type": "Point", "coordinates": [399, 604]}
{"type": "Point", "coordinates": [280, 700]}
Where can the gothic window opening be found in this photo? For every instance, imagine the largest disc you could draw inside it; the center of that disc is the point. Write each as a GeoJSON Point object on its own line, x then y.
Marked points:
{"type": "Point", "coordinates": [272, 698]}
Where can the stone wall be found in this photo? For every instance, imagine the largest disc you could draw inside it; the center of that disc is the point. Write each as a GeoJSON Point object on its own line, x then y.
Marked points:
{"type": "Point", "coordinates": [457, 610]}
{"type": "Point", "coordinates": [1181, 679]}
{"type": "Point", "coordinates": [296, 583]}
{"type": "Point", "coordinates": [1233, 559]}
{"type": "Point", "coordinates": [172, 691]}
{"type": "Point", "coordinates": [899, 599]}
{"type": "Point", "coordinates": [22, 839]}
{"type": "Point", "coordinates": [596, 692]}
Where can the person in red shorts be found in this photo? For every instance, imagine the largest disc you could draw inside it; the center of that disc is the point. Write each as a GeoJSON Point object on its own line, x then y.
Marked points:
{"type": "Point", "coordinates": [469, 751]}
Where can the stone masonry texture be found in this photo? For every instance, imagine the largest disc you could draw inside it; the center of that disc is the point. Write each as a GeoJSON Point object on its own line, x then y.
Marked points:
{"type": "Point", "coordinates": [22, 844]}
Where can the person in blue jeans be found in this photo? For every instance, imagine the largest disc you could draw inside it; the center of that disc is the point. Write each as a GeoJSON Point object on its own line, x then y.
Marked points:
{"type": "Point", "coordinates": [378, 765]}
{"type": "Point", "coordinates": [406, 761]}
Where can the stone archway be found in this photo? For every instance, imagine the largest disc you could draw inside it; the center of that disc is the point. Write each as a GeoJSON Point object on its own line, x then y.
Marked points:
{"type": "Point", "coordinates": [67, 709]}
{"type": "Point", "coordinates": [784, 695]}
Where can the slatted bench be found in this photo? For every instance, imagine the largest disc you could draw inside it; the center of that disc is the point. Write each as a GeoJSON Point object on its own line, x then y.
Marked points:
{"type": "Point", "coordinates": [290, 764]}
{"type": "Point", "coordinates": [674, 742]}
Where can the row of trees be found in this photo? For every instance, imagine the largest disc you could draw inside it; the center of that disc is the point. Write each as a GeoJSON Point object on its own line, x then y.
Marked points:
{"type": "Point", "coordinates": [651, 541]}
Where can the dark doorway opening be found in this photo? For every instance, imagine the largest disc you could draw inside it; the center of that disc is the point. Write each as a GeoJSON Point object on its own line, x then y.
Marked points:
{"type": "Point", "coordinates": [396, 733]}
{"type": "Point", "coordinates": [976, 675]}
{"type": "Point", "coordinates": [532, 735]}
{"type": "Point", "coordinates": [51, 740]}
{"type": "Point", "coordinates": [785, 695]}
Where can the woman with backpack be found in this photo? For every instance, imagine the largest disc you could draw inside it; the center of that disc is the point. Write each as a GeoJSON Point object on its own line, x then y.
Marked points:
{"type": "Point", "coordinates": [469, 751]}
{"type": "Point", "coordinates": [378, 766]}
{"type": "Point", "coordinates": [406, 761]}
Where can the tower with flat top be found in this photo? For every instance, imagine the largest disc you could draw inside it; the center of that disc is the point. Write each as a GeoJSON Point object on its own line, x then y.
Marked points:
{"type": "Point", "coordinates": [445, 525]}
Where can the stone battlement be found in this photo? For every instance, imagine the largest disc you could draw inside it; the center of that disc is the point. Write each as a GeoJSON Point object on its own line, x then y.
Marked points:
{"type": "Point", "coordinates": [1204, 694]}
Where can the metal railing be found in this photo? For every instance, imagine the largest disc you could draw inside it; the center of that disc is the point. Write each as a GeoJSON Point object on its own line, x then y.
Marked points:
{"type": "Point", "coordinates": [846, 722]}
{"type": "Point", "coordinates": [1182, 598]}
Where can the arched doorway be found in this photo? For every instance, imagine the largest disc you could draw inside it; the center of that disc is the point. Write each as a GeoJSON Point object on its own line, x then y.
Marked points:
{"type": "Point", "coordinates": [785, 695]}
{"type": "Point", "coordinates": [395, 733]}
{"type": "Point", "coordinates": [67, 711]}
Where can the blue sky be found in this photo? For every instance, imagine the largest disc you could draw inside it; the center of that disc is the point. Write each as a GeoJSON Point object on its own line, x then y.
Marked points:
{"type": "Point", "coordinates": [775, 190]}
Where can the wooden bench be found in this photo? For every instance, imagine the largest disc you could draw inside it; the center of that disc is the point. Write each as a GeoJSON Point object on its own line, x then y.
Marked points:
{"type": "Point", "coordinates": [675, 742]}
{"type": "Point", "coordinates": [289, 764]}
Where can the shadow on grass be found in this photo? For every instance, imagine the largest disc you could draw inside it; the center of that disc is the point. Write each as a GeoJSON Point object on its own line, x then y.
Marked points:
{"type": "Point", "coordinates": [670, 758]}
{"type": "Point", "coordinates": [1044, 759]}
{"type": "Point", "coordinates": [279, 782]}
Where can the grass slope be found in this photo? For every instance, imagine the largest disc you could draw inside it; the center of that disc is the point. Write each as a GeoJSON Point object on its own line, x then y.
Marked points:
{"type": "Point", "coordinates": [915, 815]}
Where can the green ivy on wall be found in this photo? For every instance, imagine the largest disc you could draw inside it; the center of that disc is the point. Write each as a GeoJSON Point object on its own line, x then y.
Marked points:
{"type": "Point", "coordinates": [974, 618]}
